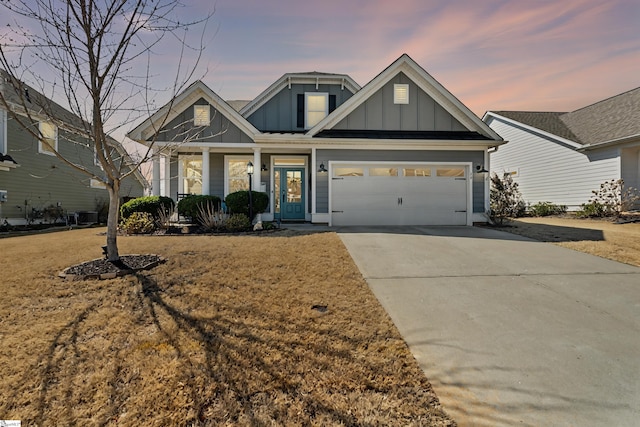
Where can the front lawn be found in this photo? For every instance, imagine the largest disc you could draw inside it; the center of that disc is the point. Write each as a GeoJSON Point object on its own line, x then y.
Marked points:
{"type": "Point", "coordinates": [231, 330]}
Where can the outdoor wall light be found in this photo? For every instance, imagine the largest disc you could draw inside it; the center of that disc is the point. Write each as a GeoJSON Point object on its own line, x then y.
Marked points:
{"type": "Point", "coordinates": [264, 168]}
{"type": "Point", "coordinates": [481, 169]}
{"type": "Point", "coordinates": [322, 168]}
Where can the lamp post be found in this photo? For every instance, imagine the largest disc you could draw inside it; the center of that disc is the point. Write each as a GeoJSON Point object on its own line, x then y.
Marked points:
{"type": "Point", "coordinates": [250, 173]}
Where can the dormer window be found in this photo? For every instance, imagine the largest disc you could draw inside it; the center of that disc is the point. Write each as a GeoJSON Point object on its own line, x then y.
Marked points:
{"type": "Point", "coordinates": [201, 115]}
{"type": "Point", "coordinates": [400, 93]}
{"type": "Point", "coordinates": [317, 108]}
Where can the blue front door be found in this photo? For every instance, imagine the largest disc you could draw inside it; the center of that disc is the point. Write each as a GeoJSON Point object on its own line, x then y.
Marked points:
{"type": "Point", "coordinates": [289, 193]}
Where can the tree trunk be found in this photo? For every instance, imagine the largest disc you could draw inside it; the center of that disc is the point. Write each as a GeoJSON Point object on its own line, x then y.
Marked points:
{"type": "Point", "coordinates": [112, 221]}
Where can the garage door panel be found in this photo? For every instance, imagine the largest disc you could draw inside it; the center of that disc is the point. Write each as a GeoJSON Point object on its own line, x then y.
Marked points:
{"type": "Point", "coordinates": [400, 200]}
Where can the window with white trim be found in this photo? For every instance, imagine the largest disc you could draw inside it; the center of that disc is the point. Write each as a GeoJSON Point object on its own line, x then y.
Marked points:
{"type": "Point", "coordinates": [316, 108]}
{"type": "Point", "coordinates": [201, 115]}
{"type": "Point", "coordinates": [190, 170]}
{"type": "Point", "coordinates": [401, 93]}
{"type": "Point", "coordinates": [235, 172]}
{"type": "Point", "coordinates": [49, 133]}
{"type": "Point", "coordinates": [95, 183]}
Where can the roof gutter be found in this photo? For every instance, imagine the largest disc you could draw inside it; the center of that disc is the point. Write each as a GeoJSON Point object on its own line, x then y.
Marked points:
{"type": "Point", "coordinates": [611, 142]}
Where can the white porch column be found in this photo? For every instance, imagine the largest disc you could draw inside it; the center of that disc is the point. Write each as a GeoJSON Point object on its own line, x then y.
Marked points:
{"type": "Point", "coordinates": [205, 171]}
{"type": "Point", "coordinates": [155, 182]}
{"type": "Point", "coordinates": [257, 173]}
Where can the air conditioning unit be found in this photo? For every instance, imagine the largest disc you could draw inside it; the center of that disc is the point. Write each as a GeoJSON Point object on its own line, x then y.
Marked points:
{"type": "Point", "coordinates": [3, 195]}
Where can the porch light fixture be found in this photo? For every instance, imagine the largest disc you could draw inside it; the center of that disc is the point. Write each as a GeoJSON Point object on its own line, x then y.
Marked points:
{"type": "Point", "coordinates": [322, 168]}
{"type": "Point", "coordinates": [264, 168]}
{"type": "Point", "coordinates": [250, 173]}
{"type": "Point", "coordinates": [481, 169]}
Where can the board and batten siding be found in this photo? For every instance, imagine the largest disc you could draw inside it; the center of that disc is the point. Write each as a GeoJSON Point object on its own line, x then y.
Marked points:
{"type": "Point", "coordinates": [280, 112]}
{"type": "Point", "coordinates": [324, 156]}
{"type": "Point", "coordinates": [550, 171]}
{"type": "Point", "coordinates": [221, 129]}
{"type": "Point", "coordinates": [422, 113]}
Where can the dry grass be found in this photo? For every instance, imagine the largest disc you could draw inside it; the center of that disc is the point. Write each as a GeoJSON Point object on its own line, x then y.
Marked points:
{"type": "Point", "coordinates": [618, 242]}
{"type": "Point", "coordinates": [222, 334]}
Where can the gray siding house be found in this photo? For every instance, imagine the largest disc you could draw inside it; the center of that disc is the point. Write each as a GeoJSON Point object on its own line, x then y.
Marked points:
{"type": "Point", "coordinates": [33, 181]}
{"type": "Point", "coordinates": [402, 150]}
{"type": "Point", "coordinates": [561, 157]}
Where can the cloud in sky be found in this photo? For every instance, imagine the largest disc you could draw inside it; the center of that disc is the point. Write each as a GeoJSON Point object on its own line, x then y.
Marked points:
{"type": "Point", "coordinates": [494, 54]}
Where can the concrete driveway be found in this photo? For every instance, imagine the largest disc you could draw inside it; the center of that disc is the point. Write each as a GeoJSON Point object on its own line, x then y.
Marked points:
{"type": "Point", "coordinates": [508, 330]}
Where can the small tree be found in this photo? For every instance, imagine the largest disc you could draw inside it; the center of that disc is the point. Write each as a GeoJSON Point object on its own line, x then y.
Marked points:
{"type": "Point", "coordinates": [611, 199]}
{"type": "Point", "coordinates": [505, 199]}
{"type": "Point", "coordinates": [98, 56]}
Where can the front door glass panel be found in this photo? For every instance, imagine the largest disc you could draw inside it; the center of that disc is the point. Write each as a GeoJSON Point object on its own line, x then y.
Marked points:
{"type": "Point", "coordinates": [289, 186]}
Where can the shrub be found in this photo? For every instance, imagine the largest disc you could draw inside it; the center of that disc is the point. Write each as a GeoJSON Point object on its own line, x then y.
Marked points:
{"type": "Point", "coordinates": [238, 222]}
{"type": "Point", "coordinates": [505, 200]}
{"type": "Point", "coordinates": [148, 204]}
{"type": "Point", "coordinates": [210, 217]}
{"type": "Point", "coordinates": [611, 199]}
{"type": "Point", "coordinates": [238, 202]}
{"type": "Point", "coordinates": [188, 207]}
{"type": "Point", "coordinates": [138, 223]}
{"type": "Point", "coordinates": [546, 209]}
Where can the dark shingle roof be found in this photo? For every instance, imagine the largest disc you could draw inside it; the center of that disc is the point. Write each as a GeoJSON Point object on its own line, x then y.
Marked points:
{"type": "Point", "coordinates": [547, 121]}
{"type": "Point", "coordinates": [610, 119]}
{"type": "Point", "coordinates": [613, 118]}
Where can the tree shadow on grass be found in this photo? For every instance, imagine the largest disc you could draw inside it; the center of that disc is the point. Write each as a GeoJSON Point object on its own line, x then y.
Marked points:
{"type": "Point", "coordinates": [177, 359]}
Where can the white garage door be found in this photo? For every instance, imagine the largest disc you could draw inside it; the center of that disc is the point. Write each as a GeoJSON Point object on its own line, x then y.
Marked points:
{"type": "Point", "coordinates": [399, 194]}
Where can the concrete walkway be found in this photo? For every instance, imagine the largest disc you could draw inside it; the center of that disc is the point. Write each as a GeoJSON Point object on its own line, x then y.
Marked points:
{"type": "Point", "coordinates": [508, 330]}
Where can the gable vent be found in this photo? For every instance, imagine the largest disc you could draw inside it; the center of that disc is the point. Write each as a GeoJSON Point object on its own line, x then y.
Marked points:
{"type": "Point", "coordinates": [400, 93]}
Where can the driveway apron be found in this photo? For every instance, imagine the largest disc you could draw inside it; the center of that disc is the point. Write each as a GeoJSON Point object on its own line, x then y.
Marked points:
{"type": "Point", "coordinates": [510, 331]}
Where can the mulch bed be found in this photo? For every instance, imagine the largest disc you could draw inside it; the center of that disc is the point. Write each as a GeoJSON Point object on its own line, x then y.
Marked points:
{"type": "Point", "coordinates": [104, 269]}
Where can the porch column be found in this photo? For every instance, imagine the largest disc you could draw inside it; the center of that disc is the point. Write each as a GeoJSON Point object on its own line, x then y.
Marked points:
{"type": "Point", "coordinates": [257, 166]}
{"type": "Point", "coordinates": [155, 182]}
{"type": "Point", "coordinates": [167, 176]}
{"type": "Point", "coordinates": [205, 171]}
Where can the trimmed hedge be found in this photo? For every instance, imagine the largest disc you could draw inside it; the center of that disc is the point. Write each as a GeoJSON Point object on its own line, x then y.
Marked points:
{"type": "Point", "coordinates": [238, 202]}
{"type": "Point", "coordinates": [148, 204]}
{"type": "Point", "coordinates": [188, 206]}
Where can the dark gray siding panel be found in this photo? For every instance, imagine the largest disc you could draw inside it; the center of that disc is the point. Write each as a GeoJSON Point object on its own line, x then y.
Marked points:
{"type": "Point", "coordinates": [216, 174]}
{"type": "Point", "coordinates": [42, 180]}
{"type": "Point", "coordinates": [322, 182]}
{"type": "Point", "coordinates": [280, 112]}
{"type": "Point", "coordinates": [380, 113]}
{"type": "Point", "coordinates": [221, 129]}
{"type": "Point", "coordinates": [173, 181]}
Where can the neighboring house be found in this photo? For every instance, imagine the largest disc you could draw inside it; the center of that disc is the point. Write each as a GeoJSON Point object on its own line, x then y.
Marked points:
{"type": "Point", "coordinates": [401, 150]}
{"type": "Point", "coordinates": [563, 157]}
{"type": "Point", "coordinates": [35, 185]}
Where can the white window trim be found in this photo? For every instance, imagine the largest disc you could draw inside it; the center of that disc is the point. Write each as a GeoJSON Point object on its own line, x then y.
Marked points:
{"type": "Point", "coordinates": [306, 106]}
{"type": "Point", "coordinates": [196, 121]}
{"type": "Point", "coordinates": [3, 132]}
{"type": "Point", "coordinates": [94, 183]}
{"type": "Point", "coordinates": [181, 159]}
{"type": "Point", "coordinates": [228, 158]}
{"type": "Point", "coordinates": [401, 93]}
{"type": "Point", "coordinates": [40, 143]}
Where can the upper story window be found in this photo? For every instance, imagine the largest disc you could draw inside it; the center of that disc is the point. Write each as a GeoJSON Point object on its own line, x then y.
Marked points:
{"type": "Point", "coordinates": [400, 93]}
{"type": "Point", "coordinates": [49, 133]}
{"type": "Point", "coordinates": [201, 115]}
{"type": "Point", "coordinates": [317, 108]}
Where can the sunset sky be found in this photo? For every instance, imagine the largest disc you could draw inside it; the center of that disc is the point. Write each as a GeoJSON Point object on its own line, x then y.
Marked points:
{"type": "Point", "coordinates": [491, 54]}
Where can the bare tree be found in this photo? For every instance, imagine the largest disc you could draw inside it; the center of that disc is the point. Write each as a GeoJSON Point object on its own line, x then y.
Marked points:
{"type": "Point", "coordinates": [100, 55]}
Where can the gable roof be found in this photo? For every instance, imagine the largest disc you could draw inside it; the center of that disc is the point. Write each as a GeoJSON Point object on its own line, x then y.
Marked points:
{"type": "Point", "coordinates": [425, 82]}
{"type": "Point", "coordinates": [313, 77]}
{"type": "Point", "coordinates": [185, 99]}
{"type": "Point", "coordinates": [611, 120]}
